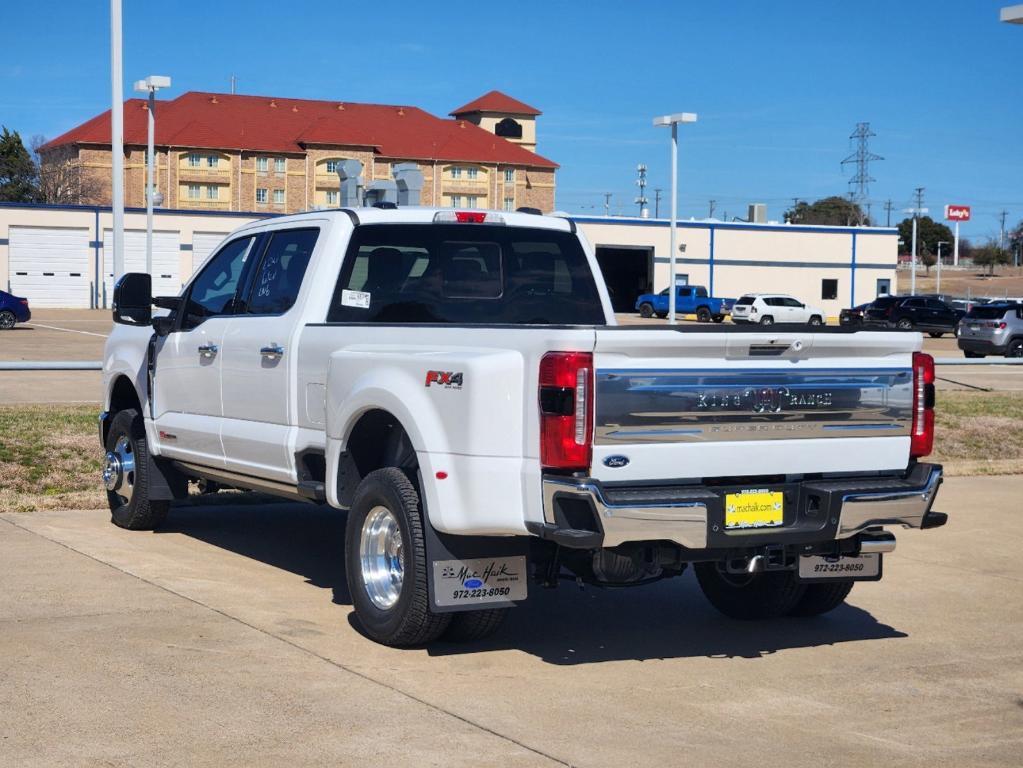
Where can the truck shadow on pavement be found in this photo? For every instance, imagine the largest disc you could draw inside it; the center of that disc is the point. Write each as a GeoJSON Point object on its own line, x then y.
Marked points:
{"type": "Point", "coordinates": [565, 626]}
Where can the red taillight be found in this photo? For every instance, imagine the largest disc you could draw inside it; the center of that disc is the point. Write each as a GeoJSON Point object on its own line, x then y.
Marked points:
{"type": "Point", "coordinates": [470, 217]}
{"type": "Point", "coordinates": [921, 436]}
{"type": "Point", "coordinates": [1000, 326]}
{"type": "Point", "coordinates": [566, 410]}
{"type": "Point", "coordinates": [24, 301]}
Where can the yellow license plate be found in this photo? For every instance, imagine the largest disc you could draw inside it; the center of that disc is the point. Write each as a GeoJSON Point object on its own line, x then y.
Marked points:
{"type": "Point", "coordinates": [754, 509]}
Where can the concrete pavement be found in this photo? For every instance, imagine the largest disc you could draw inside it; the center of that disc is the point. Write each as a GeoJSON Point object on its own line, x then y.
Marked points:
{"type": "Point", "coordinates": [226, 639]}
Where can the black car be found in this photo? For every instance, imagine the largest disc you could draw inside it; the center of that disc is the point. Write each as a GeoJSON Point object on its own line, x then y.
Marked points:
{"type": "Point", "coordinates": [853, 316]}
{"type": "Point", "coordinates": [913, 313]}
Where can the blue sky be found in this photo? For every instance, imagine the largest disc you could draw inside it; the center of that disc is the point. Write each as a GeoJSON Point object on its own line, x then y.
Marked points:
{"type": "Point", "coordinates": [778, 86]}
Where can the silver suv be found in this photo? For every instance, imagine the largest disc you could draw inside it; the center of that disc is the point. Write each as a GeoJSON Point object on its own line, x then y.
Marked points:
{"type": "Point", "coordinates": [992, 329]}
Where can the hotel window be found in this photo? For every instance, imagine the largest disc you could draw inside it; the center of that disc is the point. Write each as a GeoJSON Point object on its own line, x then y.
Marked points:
{"type": "Point", "coordinates": [456, 172]}
{"type": "Point", "coordinates": [332, 166]}
{"type": "Point", "coordinates": [332, 197]}
{"type": "Point", "coordinates": [509, 176]}
{"type": "Point", "coordinates": [212, 192]}
{"type": "Point", "coordinates": [261, 194]}
{"type": "Point", "coordinates": [509, 203]}
{"type": "Point", "coordinates": [194, 161]}
{"type": "Point", "coordinates": [472, 173]}
{"type": "Point", "coordinates": [278, 196]}
{"type": "Point", "coordinates": [279, 164]}
{"type": "Point", "coordinates": [261, 164]}
{"type": "Point", "coordinates": [194, 191]}
{"type": "Point", "coordinates": [471, 201]}
{"type": "Point", "coordinates": [456, 201]}
{"type": "Point", "coordinates": [212, 161]}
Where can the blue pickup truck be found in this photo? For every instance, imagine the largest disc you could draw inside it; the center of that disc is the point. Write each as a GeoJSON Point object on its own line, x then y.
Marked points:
{"type": "Point", "coordinates": [690, 300]}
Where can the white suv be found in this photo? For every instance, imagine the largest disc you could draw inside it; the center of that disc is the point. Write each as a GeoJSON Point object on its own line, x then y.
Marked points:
{"type": "Point", "coordinates": [770, 308]}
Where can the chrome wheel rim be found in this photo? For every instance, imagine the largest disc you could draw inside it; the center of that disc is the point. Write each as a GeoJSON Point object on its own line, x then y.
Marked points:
{"type": "Point", "coordinates": [119, 469]}
{"type": "Point", "coordinates": [381, 553]}
{"type": "Point", "coordinates": [6, 320]}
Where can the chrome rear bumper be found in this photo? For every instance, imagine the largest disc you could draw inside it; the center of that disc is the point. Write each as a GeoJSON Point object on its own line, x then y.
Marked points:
{"type": "Point", "coordinates": [690, 515]}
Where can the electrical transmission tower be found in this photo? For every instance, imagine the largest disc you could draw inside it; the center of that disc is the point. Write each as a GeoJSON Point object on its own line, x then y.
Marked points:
{"type": "Point", "coordinates": [641, 201]}
{"type": "Point", "coordinates": [859, 184]}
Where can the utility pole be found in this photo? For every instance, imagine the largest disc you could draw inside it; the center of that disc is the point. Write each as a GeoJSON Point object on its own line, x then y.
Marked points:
{"type": "Point", "coordinates": [888, 212]}
{"type": "Point", "coordinates": [657, 203]}
{"type": "Point", "coordinates": [713, 205]}
{"type": "Point", "coordinates": [916, 211]}
{"type": "Point", "coordinates": [607, 203]}
{"type": "Point", "coordinates": [117, 138]}
{"type": "Point", "coordinates": [641, 201]}
{"type": "Point", "coordinates": [1001, 229]}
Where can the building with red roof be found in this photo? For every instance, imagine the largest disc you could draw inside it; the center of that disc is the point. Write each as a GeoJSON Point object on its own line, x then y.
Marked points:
{"type": "Point", "coordinates": [225, 152]}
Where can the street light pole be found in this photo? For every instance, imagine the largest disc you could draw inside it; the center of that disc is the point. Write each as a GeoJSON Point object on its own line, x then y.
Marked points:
{"type": "Point", "coordinates": [940, 243]}
{"type": "Point", "coordinates": [150, 85]}
{"type": "Point", "coordinates": [116, 138]}
{"type": "Point", "coordinates": [673, 120]}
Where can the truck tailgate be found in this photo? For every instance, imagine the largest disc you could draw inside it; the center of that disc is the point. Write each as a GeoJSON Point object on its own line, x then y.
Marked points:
{"type": "Point", "coordinates": [681, 405]}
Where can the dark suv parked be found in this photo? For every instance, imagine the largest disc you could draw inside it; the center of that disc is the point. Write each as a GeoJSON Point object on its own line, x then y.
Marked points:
{"type": "Point", "coordinates": [912, 313]}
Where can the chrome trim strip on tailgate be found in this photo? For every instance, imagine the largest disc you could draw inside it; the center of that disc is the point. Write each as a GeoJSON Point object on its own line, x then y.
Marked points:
{"type": "Point", "coordinates": [680, 406]}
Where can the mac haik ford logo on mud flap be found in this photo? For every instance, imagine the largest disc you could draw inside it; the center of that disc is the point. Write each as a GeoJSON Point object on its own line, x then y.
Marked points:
{"type": "Point", "coordinates": [762, 400]}
{"type": "Point", "coordinates": [446, 379]}
{"type": "Point", "coordinates": [483, 580]}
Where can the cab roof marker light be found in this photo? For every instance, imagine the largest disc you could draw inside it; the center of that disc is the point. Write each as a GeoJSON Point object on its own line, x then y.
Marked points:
{"type": "Point", "coordinates": [467, 217]}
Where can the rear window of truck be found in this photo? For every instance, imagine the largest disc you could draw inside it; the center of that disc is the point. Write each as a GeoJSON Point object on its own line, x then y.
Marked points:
{"type": "Point", "coordinates": [465, 274]}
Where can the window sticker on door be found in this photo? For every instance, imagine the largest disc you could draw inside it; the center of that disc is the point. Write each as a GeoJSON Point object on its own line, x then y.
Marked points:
{"type": "Point", "coordinates": [355, 299]}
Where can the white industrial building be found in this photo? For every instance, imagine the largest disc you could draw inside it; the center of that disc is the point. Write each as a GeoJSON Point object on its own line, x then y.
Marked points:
{"type": "Point", "coordinates": [60, 256]}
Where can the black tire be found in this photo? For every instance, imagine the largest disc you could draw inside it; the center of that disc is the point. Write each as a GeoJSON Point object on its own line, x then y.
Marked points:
{"type": "Point", "coordinates": [646, 309]}
{"type": "Point", "coordinates": [816, 320]}
{"type": "Point", "coordinates": [719, 318]}
{"type": "Point", "coordinates": [967, 353]}
{"type": "Point", "coordinates": [7, 319]}
{"type": "Point", "coordinates": [936, 334]}
{"type": "Point", "coordinates": [703, 315]}
{"type": "Point", "coordinates": [905, 324]}
{"type": "Point", "coordinates": [760, 596]}
{"type": "Point", "coordinates": [130, 505]}
{"type": "Point", "coordinates": [1015, 348]}
{"type": "Point", "coordinates": [409, 621]}
{"type": "Point", "coordinates": [469, 626]}
{"type": "Point", "coordinates": [821, 598]}
{"type": "Point", "coordinates": [767, 320]}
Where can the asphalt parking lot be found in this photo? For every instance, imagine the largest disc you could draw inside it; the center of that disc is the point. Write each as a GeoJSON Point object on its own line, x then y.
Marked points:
{"type": "Point", "coordinates": [62, 334]}
{"type": "Point", "coordinates": [227, 639]}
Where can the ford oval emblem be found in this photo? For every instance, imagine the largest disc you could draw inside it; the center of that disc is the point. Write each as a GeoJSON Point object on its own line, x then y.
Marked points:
{"type": "Point", "coordinates": [473, 583]}
{"type": "Point", "coordinates": [615, 462]}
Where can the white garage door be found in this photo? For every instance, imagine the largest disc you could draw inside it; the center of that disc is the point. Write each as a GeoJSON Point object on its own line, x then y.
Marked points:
{"type": "Point", "coordinates": [203, 244]}
{"type": "Point", "coordinates": [49, 266]}
{"type": "Point", "coordinates": [166, 260]}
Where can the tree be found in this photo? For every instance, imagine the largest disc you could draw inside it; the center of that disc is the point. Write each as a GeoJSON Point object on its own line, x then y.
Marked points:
{"type": "Point", "coordinates": [990, 256]}
{"type": "Point", "coordinates": [928, 234]}
{"type": "Point", "coordinates": [834, 210]}
{"type": "Point", "coordinates": [19, 179]}
{"type": "Point", "coordinates": [61, 177]}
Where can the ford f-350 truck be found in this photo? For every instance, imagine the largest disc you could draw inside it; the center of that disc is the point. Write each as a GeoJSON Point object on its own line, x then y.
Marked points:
{"type": "Point", "coordinates": [455, 381]}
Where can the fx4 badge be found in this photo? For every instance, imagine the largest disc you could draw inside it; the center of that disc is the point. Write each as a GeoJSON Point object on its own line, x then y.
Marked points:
{"type": "Point", "coordinates": [446, 379]}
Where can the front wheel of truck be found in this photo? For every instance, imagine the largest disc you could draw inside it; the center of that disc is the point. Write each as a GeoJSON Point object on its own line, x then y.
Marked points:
{"type": "Point", "coordinates": [821, 598]}
{"type": "Point", "coordinates": [385, 562]}
{"type": "Point", "coordinates": [766, 595]}
{"type": "Point", "coordinates": [126, 475]}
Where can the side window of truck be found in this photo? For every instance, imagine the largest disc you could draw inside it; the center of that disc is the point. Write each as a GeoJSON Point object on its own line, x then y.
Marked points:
{"type": "Point", "coordinates": [277, 279]}
{"type": "Point", "coordinates": [212, 293]}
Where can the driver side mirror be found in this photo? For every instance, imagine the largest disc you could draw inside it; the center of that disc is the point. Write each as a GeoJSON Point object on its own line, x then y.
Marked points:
{"type": "Point", "coordinates": [133, 299]}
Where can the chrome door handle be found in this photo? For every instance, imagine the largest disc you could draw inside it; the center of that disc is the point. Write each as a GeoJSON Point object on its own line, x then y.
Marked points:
{"type": "Point", "coordinates": [208, 350]}
{"type": "Point", "coordinates": [272, 352]}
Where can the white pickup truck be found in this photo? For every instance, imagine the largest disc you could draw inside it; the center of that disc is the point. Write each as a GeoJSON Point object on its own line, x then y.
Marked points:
{"type": "Point", "coordinates": [455, 380]}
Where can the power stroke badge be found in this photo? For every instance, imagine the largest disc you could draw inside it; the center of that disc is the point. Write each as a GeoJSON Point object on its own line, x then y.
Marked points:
{"type": "Point", "coordinates": [480, 581]}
